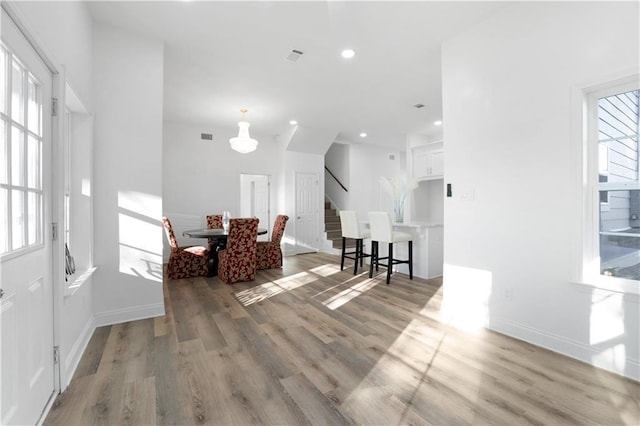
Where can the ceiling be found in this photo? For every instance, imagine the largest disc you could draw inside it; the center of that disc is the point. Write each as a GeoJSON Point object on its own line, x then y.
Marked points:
{"type": "Point", "coordinates": [223, 56]}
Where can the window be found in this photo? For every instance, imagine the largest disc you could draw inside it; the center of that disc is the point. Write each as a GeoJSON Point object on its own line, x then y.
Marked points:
{"type": "Point", "coordinates": [21, 195]}
{"type": "Point", "coordinates": [615, 177]}
{"type": "Point", "coordinates": [76, 179]}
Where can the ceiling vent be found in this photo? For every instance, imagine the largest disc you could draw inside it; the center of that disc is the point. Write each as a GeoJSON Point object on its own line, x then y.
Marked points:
{"type": "Point", "coordinates": [294, 55]}
{"type": "Point", "coordinates": [418, 106]}
{"type": "Point", "coordinates": [206, 136]}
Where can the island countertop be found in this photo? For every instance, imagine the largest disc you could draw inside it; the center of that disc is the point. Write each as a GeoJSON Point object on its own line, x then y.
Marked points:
{"type": "Point", "coordinates": [418, 224]}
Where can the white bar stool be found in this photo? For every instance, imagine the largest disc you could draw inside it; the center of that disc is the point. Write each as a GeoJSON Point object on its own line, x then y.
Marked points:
{"type": "Point", "coordinates": [382, 232]}
{"type": "Point", "coordinates": [351, 228]}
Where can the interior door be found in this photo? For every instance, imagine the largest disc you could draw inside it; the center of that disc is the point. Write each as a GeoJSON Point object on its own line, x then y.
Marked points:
{"type": "Point", "coordinates": [255, 201]}
{"type": "Point", "coordinates": [26, 259]}
{"type": "Point", "coordinates": [307, 213]}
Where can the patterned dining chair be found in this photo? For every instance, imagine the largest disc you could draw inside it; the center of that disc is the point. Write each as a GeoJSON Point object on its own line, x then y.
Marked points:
{"type": "Point", "coordinates": [214, 221]}
{"type": "Point", "coordinates": [186, 261]}
{"type": "Point", "coordinates": [270, 252]}
{"type": "Point", "coordinates": [238, 261]}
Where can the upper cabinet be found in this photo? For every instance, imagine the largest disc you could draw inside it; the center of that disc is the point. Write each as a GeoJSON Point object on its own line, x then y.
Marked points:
{"type": "Point", "coordinates": [428, 161]}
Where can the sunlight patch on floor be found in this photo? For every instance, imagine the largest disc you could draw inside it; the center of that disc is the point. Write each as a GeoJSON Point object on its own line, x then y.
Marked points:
{"type": "Point", "coordinates": [272, 288]}
{"type": "Point", "coordinates": [415, 354]}
{"type": "Point", "coordinates": [340, 284]}
{"type": "Point", "coordinates": [346, 295]}
{"type": "Point", "coordinates": [326, 270]}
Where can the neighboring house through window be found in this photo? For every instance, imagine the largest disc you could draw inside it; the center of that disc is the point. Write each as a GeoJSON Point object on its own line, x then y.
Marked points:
{"type": "Point", "coordinates": [613, 144]}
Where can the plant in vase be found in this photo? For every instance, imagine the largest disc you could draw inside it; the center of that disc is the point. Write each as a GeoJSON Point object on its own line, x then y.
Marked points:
{"type": "Point", "coordinates": [398, 188]}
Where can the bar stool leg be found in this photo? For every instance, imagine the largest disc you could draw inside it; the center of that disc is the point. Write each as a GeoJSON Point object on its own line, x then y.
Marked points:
{"type": "Point", "coordinates": [355, 263]}
{"type": "Point", "coordinates": [389, 263]}
{"type": "Point", "coordinates": [344, 243]}
{"type": "Point", "coordinates": [410, 260]}
{"type": "Point", "coordinates": [374, 248]}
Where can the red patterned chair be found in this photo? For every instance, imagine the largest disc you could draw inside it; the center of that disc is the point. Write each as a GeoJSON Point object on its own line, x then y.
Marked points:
{"type": "Point", "coordinates": [238, 261]}
{"type": "Point", "coordinates": [186, 261]}
{"type": "Point", "coordinates": [214, 221]}
{"type": "Point", "coordinates": [270, 252]}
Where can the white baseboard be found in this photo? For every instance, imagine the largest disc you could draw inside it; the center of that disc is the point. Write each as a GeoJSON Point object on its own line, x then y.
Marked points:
{"type": "Point", "coordinates": [129, 314]}
{"type": "Point", "coordinates": [75, 354]}
{"type": "Point", "coordinates": [577, 350]}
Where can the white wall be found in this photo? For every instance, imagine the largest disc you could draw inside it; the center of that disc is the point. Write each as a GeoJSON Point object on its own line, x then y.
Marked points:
{"type": "Point", "coordinates": [427, 202]}
{"type": "Point", "coordinates": [202, 177]}
{"type": "Point", "coordinates": [63, 30]}
{"type": "Point", "coordinates": [337, 160]}
{"type": "Point", "coordinates": [368, 164]}
{"type": "Point", "coordinates": [508, 112]}
{"type": "Point", "coordinates": [128, 81]}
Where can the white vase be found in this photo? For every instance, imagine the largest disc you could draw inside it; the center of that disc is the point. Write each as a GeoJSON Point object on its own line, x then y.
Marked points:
{"type": "Point", "coordinates": [225, 220]}
{"type": "Point", "coordinates": [398, 211]}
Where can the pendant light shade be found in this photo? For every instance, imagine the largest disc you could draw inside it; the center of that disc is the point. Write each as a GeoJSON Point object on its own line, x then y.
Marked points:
{"type": "Point", "coordinates": [243, 143]}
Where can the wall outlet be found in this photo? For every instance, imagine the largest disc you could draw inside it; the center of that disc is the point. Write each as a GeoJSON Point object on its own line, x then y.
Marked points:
{"type": "Point", "coordinates": [508, 295]}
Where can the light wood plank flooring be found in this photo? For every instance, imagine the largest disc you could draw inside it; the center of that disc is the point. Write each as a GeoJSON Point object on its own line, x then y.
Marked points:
{"type": "Point", "coordinates": [312, 345]}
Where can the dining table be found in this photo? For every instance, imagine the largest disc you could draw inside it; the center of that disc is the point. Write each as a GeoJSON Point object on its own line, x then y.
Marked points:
{"type": "Point", "coordinates": [217, 238]}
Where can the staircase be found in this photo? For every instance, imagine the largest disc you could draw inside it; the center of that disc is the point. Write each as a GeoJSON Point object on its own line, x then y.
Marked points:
{"type": "Point", "coordinates": [332, 228]}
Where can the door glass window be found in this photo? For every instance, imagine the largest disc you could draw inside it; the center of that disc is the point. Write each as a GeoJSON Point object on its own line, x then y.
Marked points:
{"type": "Point", "coordinates": [20, 156]}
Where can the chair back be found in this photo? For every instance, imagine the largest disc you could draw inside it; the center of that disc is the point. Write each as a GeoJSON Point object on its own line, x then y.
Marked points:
{"type": "Point", "coordinates": [214, 221]}
{"type": "Point", "coordinates": [349, 224]}
{"type": "Point", "coordinates": [168, 229]}
{"type": "Point", "coordinates": [243, 236]}
{"type": "Point", "coordinates": [278, 228]}
{"type": "Point", "coordinates": [381, 227]}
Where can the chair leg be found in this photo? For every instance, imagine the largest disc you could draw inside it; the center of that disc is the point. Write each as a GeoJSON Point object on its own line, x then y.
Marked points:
{"type": "Point", "coordinates": [361, 252]}
{"type": "Point", "coordinates": [355, 263]}
{"type": "Point", "coordinates": [390, 263]}
{"type": "Point", "coordinates": [374, 247]}
{"type": "Point", "coordinates": [410, 260]}
{"type": "Point", "coordinates": [344, 243]}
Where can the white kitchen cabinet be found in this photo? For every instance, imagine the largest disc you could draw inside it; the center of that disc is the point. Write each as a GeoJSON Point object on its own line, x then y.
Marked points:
{"type": "Point", "coordinates": [428, 161]}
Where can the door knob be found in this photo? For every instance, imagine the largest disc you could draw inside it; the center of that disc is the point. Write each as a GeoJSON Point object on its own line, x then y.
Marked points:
{"type": "Point", "coordinates": [298, 217]}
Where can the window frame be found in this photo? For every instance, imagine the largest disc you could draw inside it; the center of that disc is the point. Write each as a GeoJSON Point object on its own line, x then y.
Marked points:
{"type": "Point", "coordinates": [589, 273]}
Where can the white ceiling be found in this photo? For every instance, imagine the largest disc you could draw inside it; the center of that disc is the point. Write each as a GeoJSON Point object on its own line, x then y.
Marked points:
{"type": "Point", "coordinates": [222, 56]}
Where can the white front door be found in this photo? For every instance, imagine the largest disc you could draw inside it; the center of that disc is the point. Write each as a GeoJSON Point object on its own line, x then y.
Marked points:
{"type": "Point", "coordinates": [307, 213]}
{"type": "Point", "coordinates": [26, 306]}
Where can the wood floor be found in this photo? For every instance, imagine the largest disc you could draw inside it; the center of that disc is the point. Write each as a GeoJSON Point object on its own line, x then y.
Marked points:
{"type": "Point", "coordinates": [312, 345]}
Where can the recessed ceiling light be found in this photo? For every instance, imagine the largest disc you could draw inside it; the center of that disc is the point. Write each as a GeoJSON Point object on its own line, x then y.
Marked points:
{"type": "Point", "coordinates": [293, 122]}
{"type": "Point", "coordinates": [348, 53]}
{"type": "Point", "coordinates": [438, 123]}
{"type": "Point", "coordinates": [363, 135]}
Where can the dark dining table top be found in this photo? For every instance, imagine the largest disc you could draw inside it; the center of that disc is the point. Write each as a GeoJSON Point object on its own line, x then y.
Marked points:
{"type": "Point", "coordinates": [213, 233]}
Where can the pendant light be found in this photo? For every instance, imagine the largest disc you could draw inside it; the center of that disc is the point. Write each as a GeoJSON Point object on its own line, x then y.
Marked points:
{"type": "Point", "coordinates": [243, 143]}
